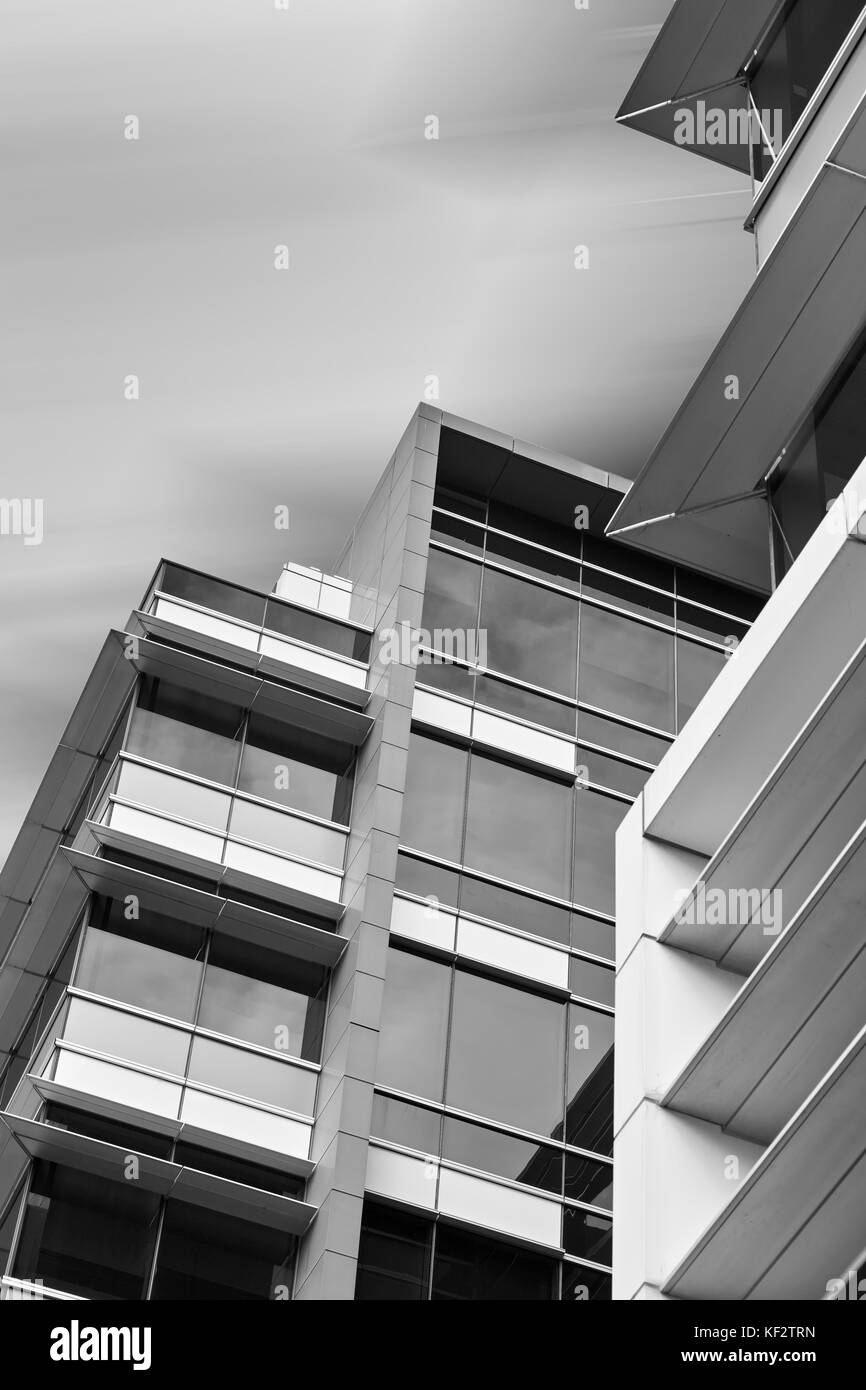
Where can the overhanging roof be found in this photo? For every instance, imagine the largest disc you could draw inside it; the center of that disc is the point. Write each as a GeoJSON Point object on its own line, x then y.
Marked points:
{"type": "Point", "coordinates": [701, 53]}
{"type": "Point", "coordinates": [697, 499]}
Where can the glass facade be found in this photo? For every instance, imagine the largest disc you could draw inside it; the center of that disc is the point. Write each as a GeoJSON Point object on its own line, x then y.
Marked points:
{"type": "Point", "coordinates": [824, 455]}
{"type": "Point", "coordinates": [506, 1079]}
{"type": "Point", "coordinates": [106, 1238]}
{"type": "Point", "coordinates": [809, 34]}
{"type": "Point", "coordinates": [163, 965]}
{"type": "Point", "coordinates": [265, 758]}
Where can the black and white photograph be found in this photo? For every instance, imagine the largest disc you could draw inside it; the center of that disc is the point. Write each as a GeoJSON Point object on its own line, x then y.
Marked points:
{"type": "Point", "coordinates": [432, 672]}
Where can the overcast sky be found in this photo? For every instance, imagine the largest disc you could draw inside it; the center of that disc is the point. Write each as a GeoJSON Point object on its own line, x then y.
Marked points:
{"type": "Point", "coordinates": [409, 257]}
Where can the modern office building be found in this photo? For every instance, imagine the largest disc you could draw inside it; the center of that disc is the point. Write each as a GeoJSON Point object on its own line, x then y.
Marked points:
{"type": "Point", "coordinates": [307, 942]}
{"type": "Point", "coordinates": [740, 1150]}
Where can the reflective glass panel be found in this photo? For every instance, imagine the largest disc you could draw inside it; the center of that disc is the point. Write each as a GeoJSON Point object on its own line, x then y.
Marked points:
{"type": "Point", "coordinates": [593, 935]}
{"type": "Point", "coordinates": [207, 1255]}
{"type": "Point", "coordinates": [434, 797]}
{"type": "Point", "coordinates": [597, 770]}
{"type": "Point", "coordinates": [627, 668]}
{"type": "Point", "coordinates": [414, 1027]}
{"type": "Point", "coordinates": [213, 594]}
{"type": "Point", "coordinates": [597, 819]}
{"type": "Point", "coordinates": [297, 768]}
{"type": "Point", "coordinates": [252, 1075]}
{"type": "Point", "coordinates": [503, 1155]}
{"type": "Point", "coordinates": [591, 981]}
{"type": "Point", "coordinates": [316, 631]}
{"type": "Point", "coordinates": [531, 631]}
{"type": "Point", "coordinates": [518, 826]}
{"type": "Point", "coordinates": [117, 1034]}
{"type": "Point", "coordinates": [445, 676]}
{"type": "Point", "coordinates": [468, 1268]}
{"type": "Point", "coordinates": [512, 909]}
{"type": "Point", "coordinates": [505, 1061]}
{"type": "Point", "coordinates": [183, 729]}
{"type": "Point", "coordinates": [697, 668]}
{"type": "Point", "coordinates": [450, 594]}
{"type": "Point", "coordinates": [588, 1235]}
{"type": "Point", "coordinates": [264, 997]}
{"type": "Point", "coordinates": [152, 962]}
{"type": "Point", "coordinates": [145, 786]}
{"type": "Point", "coordinates": [589, 1108]}
{"type": "Point", "coordinates": [393, 1256]}
{"type": "Point", "coordinates": [86, 1236]}
{"type": "Point", "coordinates": [525, 704]}
{"type": "Point", "coordinates": [621, 738]}
{"type": "Point", "coordinates": [613, 589]}
{"type": "Point", "coordinates": [403, 1123]}
{"type": "Point", "coordinates": [588, 1181]}
{"type": "Point", "coordinates": [426, 880]}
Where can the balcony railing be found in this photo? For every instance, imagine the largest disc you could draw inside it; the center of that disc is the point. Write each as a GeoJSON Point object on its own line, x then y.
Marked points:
{"type": "Point", "coordinates": [252, 627]}
{"type": "Point", "coordinates": [202, 825]}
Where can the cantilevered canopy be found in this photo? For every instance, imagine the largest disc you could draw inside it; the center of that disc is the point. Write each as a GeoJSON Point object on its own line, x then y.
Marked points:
{"type": "Point", "coordinates": [700, 55]}
{"type": "Point", "coordinates": [698, 499]}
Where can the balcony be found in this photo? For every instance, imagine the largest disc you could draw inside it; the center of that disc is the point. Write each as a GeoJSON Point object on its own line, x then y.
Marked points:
{"type": "Point", "coordinates": [260, 632]}
{"type": "Point", "coordinates": [152, 812]}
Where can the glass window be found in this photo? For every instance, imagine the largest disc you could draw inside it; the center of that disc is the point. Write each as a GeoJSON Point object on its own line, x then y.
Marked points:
{"type": "Point", "coordinates": [434, 797]}
{"type": "Point", "coordinates": [512, 909]}
{"type": "Point", "coordinates": [589, 1101]}
{"type": "Point", "coordinates": [445, 676]}
{"type": "Point", "coordinates": [450, 594]}
{"type": "Point", "coordinates": [468, 1267]}
{"type": "Point", "coordinates": [525, 704]}
{"type": "Point", "coordinates": [461, 534]}
{"type": "Point", "coordinates": [213, 594]}
{"type": "Point", "coordinates": [590, 981]}
{"type": "Point", "coordinates": [86, 1236]}
{"type": "Point", "coordinates": [297, 768]}
{"type": "Point", "coordinates": [239, 1170]}
{"type": "Point", "coordinates": [117, 1034]}
{"type": "Point", "coordinates": [488, 1150]}
{"type": "Point", "coordinates": [593, 935]}
{"type": "Point", "coordinates": [597, 819]}
{"type": "Point", "coordinates": [588, 1235]}
{"type": "Point", "coordinates": [723, 597]}
{"type": "Point", "coordinates": [152, 962]}
{"type": "Point", "coordinates": [414, 1027]}
{"type": "Point", "coordinates": [402, 1123]}
{"type": "Point", "coordinates": [616, 776]}
{"type": "Point", "coordinates": [206, 1255]}
{"type": "Point", "coordinates": [583, 1285]}
{"type": "Point", "coordinates": [177, 796]}
{"type": "Point", "coordinates": [621, 738]}
{"type": "Point", "coordinates": [393, 1256]}
{"type": "Point", "coordinates": [460, 502]}
{"type": "Point", "coordinates": [697, 668]}
{"type": "Point", "coordinates": [627, 668]}
{"type": "Point", "coordinates": [531, 631]}
{"type": "Point", "coordinates": [715, 627]}
{"type": "Point", "coordinates": [538, 563]}
{"type": "Point", "coordinates": [621, 559]}
{"type": "Point", "coordinates": [273, 828]}
{"type": "Point", "coordinates": [252, 1075]}
{"type": "Point", "coordinates": [518, 826]}
{"type": "Point", "coordinates": [505, 1061]}
{"type": "Point", "coordinates": [425, 880]}
{"type": "Point", "coordinates": [611, 588]}
{"type": "Point", "coordinates": [316, 631]}
{"type": "Point", "coordinates": [264, 997]}
{"type": "Point", "coordinates": [792, 68]}
{"type": "Point", "coordinates": [183, 729]}
{"type": "Point", "coordinates": [128, 1137]}
{"type": "Point", "coordinates": [588, 1181]}
{"type": "Point", "coordinates": [516, 521]}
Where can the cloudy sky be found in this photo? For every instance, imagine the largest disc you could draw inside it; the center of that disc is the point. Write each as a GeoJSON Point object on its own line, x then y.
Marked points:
{"type": "Point", "coordinates": [409, 258]}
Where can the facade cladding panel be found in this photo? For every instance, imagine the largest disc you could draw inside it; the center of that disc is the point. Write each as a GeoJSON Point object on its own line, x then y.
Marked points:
{"type": "Point", "coordinates": [332, 914]}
